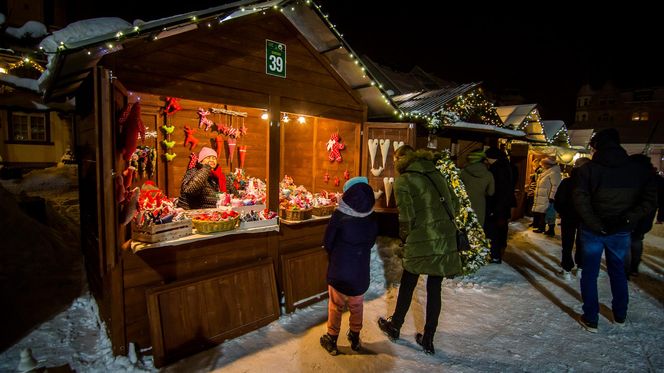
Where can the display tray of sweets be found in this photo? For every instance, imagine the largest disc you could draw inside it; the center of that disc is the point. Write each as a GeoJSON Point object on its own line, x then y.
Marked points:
{"type": "Point", "coordinates": [261, 218]}
{"type": "Point", "coordinates": [215, 221]}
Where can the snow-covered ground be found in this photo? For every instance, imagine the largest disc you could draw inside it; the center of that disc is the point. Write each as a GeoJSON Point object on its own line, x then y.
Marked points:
{"type": "Point", "coordinates": [516, 316]}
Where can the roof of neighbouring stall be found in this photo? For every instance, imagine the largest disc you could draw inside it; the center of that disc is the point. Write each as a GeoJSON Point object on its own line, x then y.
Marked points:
{"type": "Point", "coordinates": [580, 137]}
{"type": "Point", "coordinates": [514, 115]}
{"type": "Point", "coordinates": [552, 128]}
{"type": "Point", "coordinates": [72, 53]}
{"type": "Point", "coordinates": [430, 102]}
{"type": "Point", "coordinates": [489, 129]}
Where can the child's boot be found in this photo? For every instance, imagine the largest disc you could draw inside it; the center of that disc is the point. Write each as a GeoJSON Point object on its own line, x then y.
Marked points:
{"type": "Point", "coordinates": [354, 338]}
{"type": "Point", "coordinates": [329, 343]}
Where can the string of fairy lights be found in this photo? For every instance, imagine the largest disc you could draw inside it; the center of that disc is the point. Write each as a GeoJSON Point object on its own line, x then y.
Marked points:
{"type": "Point", "coordinates": [470, 106]}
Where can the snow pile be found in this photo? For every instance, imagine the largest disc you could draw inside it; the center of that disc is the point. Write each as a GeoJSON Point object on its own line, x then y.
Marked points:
{"type": "Point", "coordinates": [15, 81]}
{"type": "Point", "coordinates": [77, 32]}
{"type": "Point", "coordinates": [31, 29]}
{"type": "Point", "coordinates": [513, 317]}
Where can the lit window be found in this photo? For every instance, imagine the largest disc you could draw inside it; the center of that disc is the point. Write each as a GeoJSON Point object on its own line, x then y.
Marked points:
{"type": "Point", "coordinates": [635, 116]}
{"type": "Point", "coordinates": [644, 115]}
{"type": "Point", "coordinates": [28, 127]}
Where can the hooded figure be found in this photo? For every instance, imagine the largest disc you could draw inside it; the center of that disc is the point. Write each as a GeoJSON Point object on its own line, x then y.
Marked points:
{"type": "Point", "coordinates": [349, 237]}
{"type": "Point", "coordinates": [478, 181]}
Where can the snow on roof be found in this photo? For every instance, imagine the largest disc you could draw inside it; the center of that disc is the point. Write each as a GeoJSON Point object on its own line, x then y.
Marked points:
{"type": "Point", "coordinates": [489, 128]}
{"type": "Point", "coordinates": [32, 29]}
{"type": "Point", "coordinates": [551, 128]}
{"type": "Point", "coordinates": [15, 81]}
{"type": "Point", "coordinates": [515, 114]}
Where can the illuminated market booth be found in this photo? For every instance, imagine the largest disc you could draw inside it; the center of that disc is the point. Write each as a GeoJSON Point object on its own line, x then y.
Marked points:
{"type": "Point", "coordinates": [268, 104]}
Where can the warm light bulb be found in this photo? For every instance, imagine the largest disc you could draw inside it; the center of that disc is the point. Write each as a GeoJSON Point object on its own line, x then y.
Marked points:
{"type": "Point", "coordinates": [264, 116]}
{"type": "Point", "coordinates": [301, 120]}
{"type": "Point", "coordinates": [285, 118]}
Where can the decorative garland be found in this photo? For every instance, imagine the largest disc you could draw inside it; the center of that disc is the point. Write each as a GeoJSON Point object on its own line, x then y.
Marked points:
{"type": "Point", "coordinates": [478, 255]}
{"type": "Point", "coordinates": [441, 119]}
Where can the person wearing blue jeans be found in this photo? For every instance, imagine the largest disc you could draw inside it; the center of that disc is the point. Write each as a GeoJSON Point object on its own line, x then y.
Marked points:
{"type": "Point", "coordinates": [612, 194]}
{"type": "Point", "coordinates": [615, 247]}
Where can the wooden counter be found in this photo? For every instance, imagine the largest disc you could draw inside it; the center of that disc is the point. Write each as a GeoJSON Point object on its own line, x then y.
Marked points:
{"type": "Point", "coordinates": [193, 292]}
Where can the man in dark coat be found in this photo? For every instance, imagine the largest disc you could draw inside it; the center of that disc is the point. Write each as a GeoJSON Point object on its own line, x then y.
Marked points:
{"type": "Point", "coordinates": [613, 193]}
{"type": "Point", "coordinates": [349, 237]}
{"type": "Point", "coordinates": [499, 206]}
{"type": "Point", "coordinates": [569, 221]}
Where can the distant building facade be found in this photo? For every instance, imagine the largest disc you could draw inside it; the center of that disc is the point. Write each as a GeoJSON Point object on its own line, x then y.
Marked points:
{"type": "Point", "coordinates": [636, 113]}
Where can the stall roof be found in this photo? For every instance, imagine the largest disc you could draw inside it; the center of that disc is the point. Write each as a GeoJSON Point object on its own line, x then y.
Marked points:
{"type": "Point", "coordinates": [430, 102]}
{"type": "Point", "coordinates": [580, 137]}
{"type": "Point", "coordinates": [552, 127]}
{"type": "Point", "coordinates": [514, 115]}
{"type": "Point", "coordinates": [71, 63]}
{"type": "Point", "coordinates": [488, 128]}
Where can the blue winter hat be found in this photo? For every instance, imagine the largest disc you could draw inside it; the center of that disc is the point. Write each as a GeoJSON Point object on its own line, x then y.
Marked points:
{"type": "Point", "coordinates": [355, 180]}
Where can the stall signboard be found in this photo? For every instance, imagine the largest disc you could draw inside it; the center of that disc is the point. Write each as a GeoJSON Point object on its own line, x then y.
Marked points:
{"type": "Point", "coordinates": [275, 58]}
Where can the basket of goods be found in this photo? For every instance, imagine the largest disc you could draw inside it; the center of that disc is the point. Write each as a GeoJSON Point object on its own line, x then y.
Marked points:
{"type": "Point", "coordinates": [297, 206]}
{"type": "Point", "coordinates": [215, 221]}
{"type": "Point", "coordinates": [157, 219]}
{"type": "Point", "coordinates": [254, 218]}
{"type": "Point", "coordinates": [324, 204]}
{"type": "Point", "coordinates": [296, 214]}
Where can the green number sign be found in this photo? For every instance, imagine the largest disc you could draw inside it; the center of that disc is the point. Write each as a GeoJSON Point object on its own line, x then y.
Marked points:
{"type": "Point", "coordinates": [275, 58]}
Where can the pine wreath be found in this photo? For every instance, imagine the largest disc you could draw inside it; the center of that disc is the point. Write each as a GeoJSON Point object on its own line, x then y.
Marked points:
{"type": "Point", "coordinates": [478, 255]}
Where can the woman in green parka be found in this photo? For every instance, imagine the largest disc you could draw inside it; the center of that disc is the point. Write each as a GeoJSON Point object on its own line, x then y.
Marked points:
{"type": "Point", "coordinates": [426, 204]}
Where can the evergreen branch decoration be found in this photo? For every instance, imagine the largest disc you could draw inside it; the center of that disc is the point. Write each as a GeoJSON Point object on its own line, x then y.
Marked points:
{"type": "Point", "coordinates": [478, 255]}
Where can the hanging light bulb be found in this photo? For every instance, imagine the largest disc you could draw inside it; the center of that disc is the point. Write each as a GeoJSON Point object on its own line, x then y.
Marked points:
{"type": "Point", "coordinates": [264, 116]}
{"type": "Point", "coordinates": [285, 118]}
{"type": "Point", "coordinates": [301, 120]}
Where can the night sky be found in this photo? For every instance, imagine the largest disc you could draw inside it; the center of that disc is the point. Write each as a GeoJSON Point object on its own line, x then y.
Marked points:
{"type": "Point", "coordinates": [544, 52]}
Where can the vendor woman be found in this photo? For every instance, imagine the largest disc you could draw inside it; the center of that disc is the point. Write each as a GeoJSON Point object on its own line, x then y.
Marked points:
{"type": "Point", "coordinates": [202, 182]}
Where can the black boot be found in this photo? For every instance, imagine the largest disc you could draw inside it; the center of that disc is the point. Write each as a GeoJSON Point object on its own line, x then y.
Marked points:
{"type": "Point", "coordinates": [426, 341]}
{"type": "Point", "coordinates": [354, 338]}
{"type": "Point", "coordinates": [329, 343]}
{"type": "Point", "coordinates": [388, 328]}
{"type": "Point", "coordinates": [551, 231]}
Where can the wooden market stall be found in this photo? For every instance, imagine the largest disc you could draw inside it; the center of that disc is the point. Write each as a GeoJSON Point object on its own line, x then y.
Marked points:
{"type": "Point", "coordinates": [185, 294]}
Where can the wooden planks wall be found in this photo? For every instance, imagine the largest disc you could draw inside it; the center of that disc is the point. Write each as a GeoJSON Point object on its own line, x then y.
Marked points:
{"type": "Point", "coordinates": [305, 157]}
{"type": "Point", "coordinates": [173, 264]}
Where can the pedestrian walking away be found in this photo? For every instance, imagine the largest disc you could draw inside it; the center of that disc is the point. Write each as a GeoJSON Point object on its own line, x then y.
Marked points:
{"type": "Point", "coordinates": [613, 193]}
{"type": "Point", "coordinates": [429, 237]}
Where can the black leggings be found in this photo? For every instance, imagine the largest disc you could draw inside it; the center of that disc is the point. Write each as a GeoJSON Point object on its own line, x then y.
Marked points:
{"type": "Point", "coordinates": [406, 289]}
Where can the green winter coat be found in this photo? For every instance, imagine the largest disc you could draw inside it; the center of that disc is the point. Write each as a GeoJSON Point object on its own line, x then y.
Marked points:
{"type": "Point", "coordinates": [479, 184]}
{"type": "Point", "coordinates": [424, 225]}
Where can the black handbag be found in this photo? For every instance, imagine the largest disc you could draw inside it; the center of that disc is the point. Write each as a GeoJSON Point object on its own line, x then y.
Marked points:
{"type": "Point", "coordinates": [461, 236]}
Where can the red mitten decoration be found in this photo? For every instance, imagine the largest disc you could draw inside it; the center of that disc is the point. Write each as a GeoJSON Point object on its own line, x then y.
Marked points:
{"type": "Point", "coordinates": [131, 127]}
{"type": "Point", "coordinates": [172, 106]}
{"type": "Point", "coordinates": [189, 138]}
{"type": "Point", "coordinates": [221, 178]}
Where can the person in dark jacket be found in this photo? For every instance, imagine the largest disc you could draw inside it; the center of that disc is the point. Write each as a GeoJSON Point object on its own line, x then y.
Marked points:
{"type": "Point", "coordinates": [478, 182]}
{"type": "Point", "coordinates": [499, 206]}
{"type": "Point", "coordinates": [612, 194]}
{"type": "Point", "coordinates": [349, 237]}
{"type": "Point", "coordinates": [643, 226]}
{"type": "Point", "coordinates": [429, 236]}
{"type": "Point", "coordinates": [569, 221]}
{"type": "Point", "coordinates": [200, 183]}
